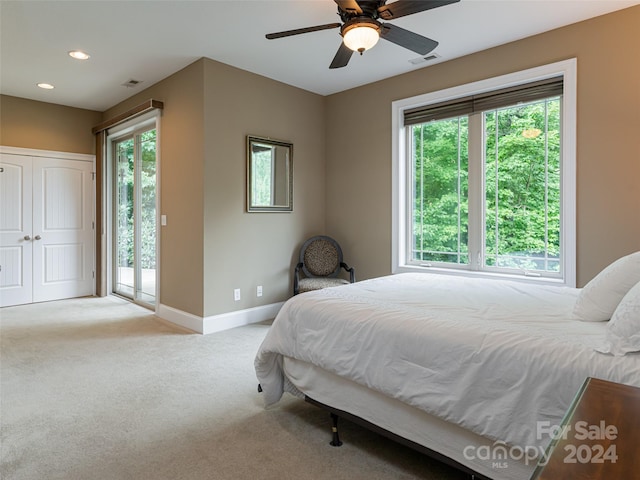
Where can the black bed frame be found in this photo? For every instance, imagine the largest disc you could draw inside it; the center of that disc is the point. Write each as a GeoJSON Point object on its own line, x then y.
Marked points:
{"type": "Point", "coordinates": [335, 414]}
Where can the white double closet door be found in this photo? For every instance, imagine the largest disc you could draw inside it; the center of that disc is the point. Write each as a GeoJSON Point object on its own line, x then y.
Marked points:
{"type": "Point", "coordinates": [46, 228]}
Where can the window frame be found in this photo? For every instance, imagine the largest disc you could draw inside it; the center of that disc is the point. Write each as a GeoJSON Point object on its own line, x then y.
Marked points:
{"type": "Point", "coordinates": [401, 168]}
{"type": "Point", "coordinates": [130, 127]}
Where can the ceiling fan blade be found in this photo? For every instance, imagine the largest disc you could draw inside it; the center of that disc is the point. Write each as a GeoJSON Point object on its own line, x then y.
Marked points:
{"type": "Point", "coordinates": [343, 55]}
{"type": "Point", "coordinates": [350, 6]}
{"type": "Point", "coordinates": [401, 8]}
{"type": "Point", "coordinates": [405, 38]}
{"type": "Point", "coordinates": [298, 31]}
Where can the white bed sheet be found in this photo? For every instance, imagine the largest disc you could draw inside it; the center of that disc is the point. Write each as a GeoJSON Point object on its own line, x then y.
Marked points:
{"type": "Point", "coordinates": [492, 356]}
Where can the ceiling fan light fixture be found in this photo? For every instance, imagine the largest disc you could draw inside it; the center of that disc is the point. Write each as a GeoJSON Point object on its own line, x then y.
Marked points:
{"type": "Point", "coordinates": [361, 36]}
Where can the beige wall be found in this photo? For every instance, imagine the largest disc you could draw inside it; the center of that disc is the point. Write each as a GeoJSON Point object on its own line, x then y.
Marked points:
{"type": "Point", "coordinates": [343, 175]}
{"type": "Point", "coordinates": [210, 245]}
{"type": "Point", "coordinates": [45, 126]}
{"type": "Point", "coordinates": [244, 250]}
{"type": "Point", "coordinates": [181, 184]}
{"type": "Point", "coordinates": [358, 174]}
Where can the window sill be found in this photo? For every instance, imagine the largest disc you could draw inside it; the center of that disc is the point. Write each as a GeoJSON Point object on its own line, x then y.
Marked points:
{"type": "Point", "coordinates": [479, 274]}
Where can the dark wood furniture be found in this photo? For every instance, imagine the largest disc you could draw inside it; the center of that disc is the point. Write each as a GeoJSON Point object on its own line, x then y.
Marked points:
{"type": "Point", "coordinates": [601, 437]}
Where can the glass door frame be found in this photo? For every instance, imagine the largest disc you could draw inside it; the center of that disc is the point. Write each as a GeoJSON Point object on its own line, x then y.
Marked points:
{"type": "Point", "coordinates": [130, 129]}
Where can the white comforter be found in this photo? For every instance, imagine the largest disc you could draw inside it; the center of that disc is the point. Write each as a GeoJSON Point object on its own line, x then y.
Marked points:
{"type": "Point", "coordinates": [492, 356]}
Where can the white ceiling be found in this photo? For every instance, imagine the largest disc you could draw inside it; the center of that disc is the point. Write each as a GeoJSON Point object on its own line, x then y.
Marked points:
{"type": "Point", "coordinates": [148, 40]}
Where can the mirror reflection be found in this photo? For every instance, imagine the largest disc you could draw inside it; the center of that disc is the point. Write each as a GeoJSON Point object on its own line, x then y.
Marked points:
{"type": "Point", "coordinates": [269, 175]}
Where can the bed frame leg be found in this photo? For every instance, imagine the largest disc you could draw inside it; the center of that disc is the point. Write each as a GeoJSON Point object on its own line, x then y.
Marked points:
{"type": "Point", "coordinates": [335, 441]}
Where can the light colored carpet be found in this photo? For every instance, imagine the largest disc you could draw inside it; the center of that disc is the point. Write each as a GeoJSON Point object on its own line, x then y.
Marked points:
{"type": "Point", "coordinates": [100, 389]}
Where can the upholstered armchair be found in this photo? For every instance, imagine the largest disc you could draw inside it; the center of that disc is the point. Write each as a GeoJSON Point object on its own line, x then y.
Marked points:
{"type": "Point", "coordinates": [320, 263]}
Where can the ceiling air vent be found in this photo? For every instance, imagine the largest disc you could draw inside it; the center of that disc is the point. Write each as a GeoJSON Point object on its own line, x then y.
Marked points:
{"type": "Point", "coordinates": [131, 83]}
{"type": "Point", "coordinates": [429, 58]}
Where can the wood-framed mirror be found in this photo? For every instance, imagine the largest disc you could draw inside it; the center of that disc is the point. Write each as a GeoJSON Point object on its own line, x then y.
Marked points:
{"type": "Point", "coordinates": [269, 175]}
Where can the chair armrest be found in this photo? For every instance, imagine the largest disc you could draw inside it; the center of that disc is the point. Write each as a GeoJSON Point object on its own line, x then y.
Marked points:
{"type": "Point", "coordinates": [351, 270]}
{"type": "Point", "coordinates": [296, 278]}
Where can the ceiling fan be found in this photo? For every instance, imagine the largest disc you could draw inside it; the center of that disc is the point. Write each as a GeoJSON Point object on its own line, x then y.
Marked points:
{"type": "Point", "coordinates": [360, 28]}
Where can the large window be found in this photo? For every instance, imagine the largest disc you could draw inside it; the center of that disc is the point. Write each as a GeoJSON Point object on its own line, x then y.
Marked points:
{"type": "Point", "coordinates": [485, 177]}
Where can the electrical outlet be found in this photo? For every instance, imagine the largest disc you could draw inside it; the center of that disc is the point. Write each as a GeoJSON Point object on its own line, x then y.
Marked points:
{"type": "Point", "coordinates": [259, 291]}
{"type": "Point", "coordinates": [236, 294]}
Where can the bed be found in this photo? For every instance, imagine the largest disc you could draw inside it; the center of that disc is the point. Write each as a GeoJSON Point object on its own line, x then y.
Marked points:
{"type": "Point", "coordinates": [475, 371]}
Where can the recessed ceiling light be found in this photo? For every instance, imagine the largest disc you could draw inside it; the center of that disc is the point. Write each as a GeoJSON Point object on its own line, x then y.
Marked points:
{"type": "Point", "coordinates": [46, 86]}
{"type": "Point", "coordinates": [78, 54]}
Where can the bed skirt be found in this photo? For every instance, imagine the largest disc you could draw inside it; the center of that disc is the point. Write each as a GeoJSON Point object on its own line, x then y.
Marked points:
{"type": "Point", "coordinates": [463, 449]}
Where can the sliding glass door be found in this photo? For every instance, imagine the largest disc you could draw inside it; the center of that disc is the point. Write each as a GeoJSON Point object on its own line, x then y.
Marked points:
{"type": "Point", "coordinates": [134, 217]}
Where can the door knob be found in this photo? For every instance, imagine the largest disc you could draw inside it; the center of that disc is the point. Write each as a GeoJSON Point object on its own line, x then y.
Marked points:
{"type": "Point", "coordinates": [37, 237]}
{"type": "Point", "coordinates": [27, 237]}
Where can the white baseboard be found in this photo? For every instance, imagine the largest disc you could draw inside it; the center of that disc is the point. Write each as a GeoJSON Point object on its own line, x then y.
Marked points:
{"type": "Point", "coordinates": [217, 323]}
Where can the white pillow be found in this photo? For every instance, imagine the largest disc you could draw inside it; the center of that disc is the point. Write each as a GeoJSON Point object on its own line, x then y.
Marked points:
{"type": "Point", "coordinates": [623, 331]}
{"type": "Point", "coordinates": [599, 298]}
